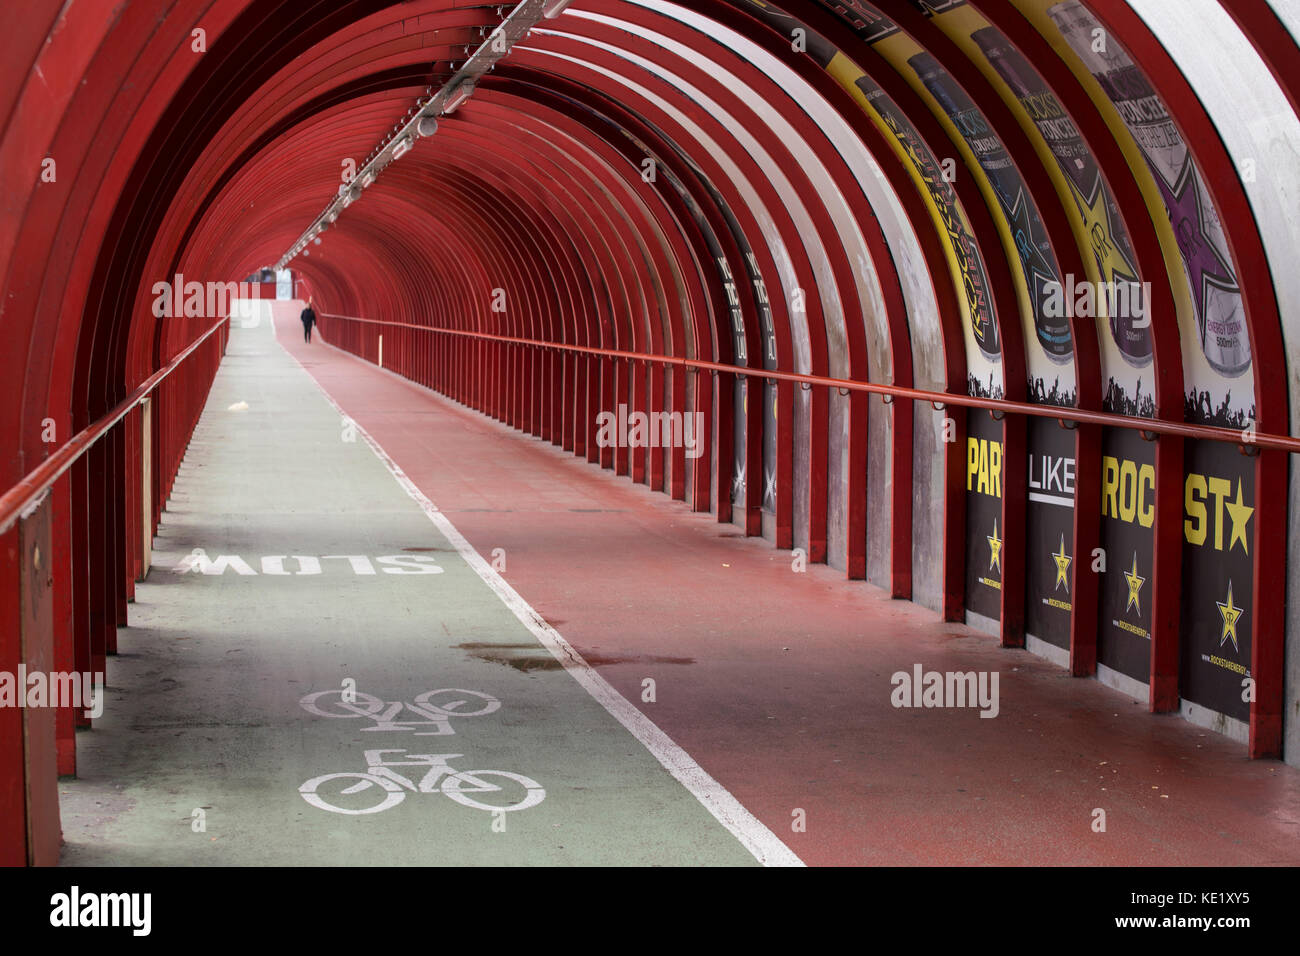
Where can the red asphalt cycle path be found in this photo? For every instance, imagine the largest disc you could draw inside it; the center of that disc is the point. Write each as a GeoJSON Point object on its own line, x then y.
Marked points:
{"type": "Point", "coordinates": [778, 683]}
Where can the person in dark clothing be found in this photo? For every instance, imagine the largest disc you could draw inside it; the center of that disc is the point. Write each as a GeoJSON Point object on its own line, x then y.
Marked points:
{"type": "Point", "coordinates": [308, 320]}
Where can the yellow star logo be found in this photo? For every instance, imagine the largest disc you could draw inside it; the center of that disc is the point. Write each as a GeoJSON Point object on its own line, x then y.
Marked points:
{"type": "Point", "coordinates": [1110, 256]}
{"type": "Point", "coordinates": [995, 548]}
{"type": "Point", "coordinates": [1135, 583]}
{"type": "Point", "coordinates": [1062, 565]}
{"type": "Point", "coordinates": [1240, 515]}
{"type": "Point", "coordinates": [1231, 615]}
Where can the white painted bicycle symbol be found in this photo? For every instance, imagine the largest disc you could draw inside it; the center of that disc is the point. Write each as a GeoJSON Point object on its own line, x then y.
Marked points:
{"type": "Point", "coordinates": [508, 791]}
{"type": "Point", "coordinates": [434, 708]}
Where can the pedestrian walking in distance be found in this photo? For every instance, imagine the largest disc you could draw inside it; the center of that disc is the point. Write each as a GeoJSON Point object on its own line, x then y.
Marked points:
{"type": "Point", "coordinates": [308, 320]}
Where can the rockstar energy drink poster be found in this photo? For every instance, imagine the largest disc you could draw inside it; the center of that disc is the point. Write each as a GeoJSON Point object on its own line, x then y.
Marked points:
{"type": "Point", "coordinates": [983, 515]}
{"type": "Point", "coordinates": [984, 346]}
{"type": "Point", "coordinates": [1050, 562]}
{"type": "Point", "coordinates": [1218, 315]}
{"type": "Point", "coordinates": [1128, 511]}
{"type": "Point", "coordinates": [1050, 528]}
{"type": "Point", "coordinates": [867, 22]}
{"type": "Point", "coordinates": [1127, 348]}
{"type": "Point", "coordinates": [1049, 328]}
{"type": "Point", "coordinates": [1218, 485]}
{"type": "Point", "coordinates": [964, 259]}
{"type": "Point", "coordinates": [1098, 223]}
{"type": "Point", "coordinates": [1218, 577]}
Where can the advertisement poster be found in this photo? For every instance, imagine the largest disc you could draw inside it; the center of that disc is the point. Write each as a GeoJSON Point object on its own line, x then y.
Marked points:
{"type": "Point", "coordinates": [1128, 511]}
{"type": "Point", "coordinates": [1126, 343]}
{"type": "Point", "coordinates": [983, 515]}
{"type": "Point", "coordinates": [1050, 562]}
{"type": "Point", "coordinates": [1218, 575]}
{"type": "Point", "coordinates": [970, 277]}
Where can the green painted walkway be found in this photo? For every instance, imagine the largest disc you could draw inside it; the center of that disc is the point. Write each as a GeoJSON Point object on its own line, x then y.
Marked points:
{"type": "Point", "coordinates": [204, 711]}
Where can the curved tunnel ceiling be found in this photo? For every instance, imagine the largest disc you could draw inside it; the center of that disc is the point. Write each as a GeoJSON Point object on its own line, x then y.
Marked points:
{"type": "Point", "coordinates": [913, 192]}
{"type": "Point", "coordinates": [926, 170]}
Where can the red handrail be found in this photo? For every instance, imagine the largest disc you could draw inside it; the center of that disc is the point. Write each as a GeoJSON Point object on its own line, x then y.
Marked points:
{"type": "Point", "coordinates": [1149, 426]}
{"type": "Point", "coordinates": [35, 483]}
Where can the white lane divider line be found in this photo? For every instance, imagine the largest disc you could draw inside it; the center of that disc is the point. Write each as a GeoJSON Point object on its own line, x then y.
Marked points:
{"type": "Point", "coordinates": [765, 846]}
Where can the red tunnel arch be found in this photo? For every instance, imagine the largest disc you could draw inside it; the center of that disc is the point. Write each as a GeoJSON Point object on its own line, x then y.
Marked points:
{"type": "Point", "coordinates": [773, 216]}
